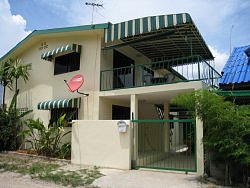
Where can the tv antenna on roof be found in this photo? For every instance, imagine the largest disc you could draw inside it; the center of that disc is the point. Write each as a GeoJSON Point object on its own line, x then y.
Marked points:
{"type": "Point", "coordinates": [93, 7]}
{"type": "Point", "coordinates": [75, 83]}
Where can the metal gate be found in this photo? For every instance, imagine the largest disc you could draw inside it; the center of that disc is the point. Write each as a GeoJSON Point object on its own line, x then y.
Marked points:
{"type": "Point", "coordinates": [165, 144]}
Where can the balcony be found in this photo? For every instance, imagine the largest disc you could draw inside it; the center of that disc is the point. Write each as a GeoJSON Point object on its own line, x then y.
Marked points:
{"type": "Point", "coordinates": [192, 68]}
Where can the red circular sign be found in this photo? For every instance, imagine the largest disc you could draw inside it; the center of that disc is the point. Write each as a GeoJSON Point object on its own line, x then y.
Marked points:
{"type": "Point", "coordinates": [75, 82]}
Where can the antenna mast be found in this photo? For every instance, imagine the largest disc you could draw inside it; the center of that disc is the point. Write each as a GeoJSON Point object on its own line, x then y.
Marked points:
{"type": "Point", "coordinates": [231, 39]}
{"type": "Point", "coordinates": [93, 6]}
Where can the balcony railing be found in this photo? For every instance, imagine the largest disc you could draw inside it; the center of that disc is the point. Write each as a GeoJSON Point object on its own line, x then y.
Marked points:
{"type": "Point", "coordinates": [186, 69]}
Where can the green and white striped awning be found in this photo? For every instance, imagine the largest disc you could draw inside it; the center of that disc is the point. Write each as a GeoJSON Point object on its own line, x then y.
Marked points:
{"type": "Point", "coordinates": [69, 48]}
{"type": "Point", "coordinates": [59, 103]}
{"type": "Point", "coordinates": [144, 25]}
{"type": "Point", "coordinates": [159, 38]}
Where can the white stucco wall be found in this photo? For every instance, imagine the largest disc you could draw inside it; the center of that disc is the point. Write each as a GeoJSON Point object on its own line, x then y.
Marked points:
{"type": "Point", "coordinates": [99, 143]}
{"type": "Point", "coordinates": [44, 85]}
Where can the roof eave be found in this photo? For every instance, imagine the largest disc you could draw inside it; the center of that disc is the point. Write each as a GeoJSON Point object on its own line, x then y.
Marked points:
{"type": "Point", "coordinates": [55, 30]}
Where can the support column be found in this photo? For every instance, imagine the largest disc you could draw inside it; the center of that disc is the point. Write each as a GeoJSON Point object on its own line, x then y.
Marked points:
{"type": "Point", "coordinates": [199, 147]}
{"type": "Point", "coordinates": [166, 128]}
{"type": "Point", "coordinates": [134, 131]}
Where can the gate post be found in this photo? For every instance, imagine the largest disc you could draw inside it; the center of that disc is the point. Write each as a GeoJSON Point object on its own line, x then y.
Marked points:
{"type": "Point", "coordinates": [166, 128]}
{"type": "Point", "coordinates": [199, 147]}
{"type": "Point", "coordinates": [134, 141]}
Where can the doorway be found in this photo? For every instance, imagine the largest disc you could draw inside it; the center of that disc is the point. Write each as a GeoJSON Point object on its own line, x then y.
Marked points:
{"type": "Point", "coordinates": [123, 75]}
{"type": "Point", "coordinates": [120, 112]}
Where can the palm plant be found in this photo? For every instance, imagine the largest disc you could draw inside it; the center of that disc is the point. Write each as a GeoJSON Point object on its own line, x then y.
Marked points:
{"type": "Point", "coordinates": [5, 78]}
{"type": "Point", "coordinates": [47, 140]}
{"type": "Point", "coordinates": [19, 70]}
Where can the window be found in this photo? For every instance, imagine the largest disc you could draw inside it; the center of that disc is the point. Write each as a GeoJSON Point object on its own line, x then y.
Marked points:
{"type": "Point", "coordinates": [67, 63]}
{"type": "Point", "coordinates": [71, 114]}
{"type": "Point", "coordinates": [120, 112]}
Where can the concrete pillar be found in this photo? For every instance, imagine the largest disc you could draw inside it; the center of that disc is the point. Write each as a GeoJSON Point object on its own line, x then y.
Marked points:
{"type": "Point", "coordinates": [199, 147]}
{"type": "Point", "coordinates": [134, 106]}
{"type": "Point", "coordinates": [166, 129]}
{"type": "Point", "coordinates": [134, 114]}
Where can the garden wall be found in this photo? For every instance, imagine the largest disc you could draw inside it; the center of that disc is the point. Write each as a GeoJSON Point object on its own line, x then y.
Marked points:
{"type": "Point", "coordinates": [98, 142]}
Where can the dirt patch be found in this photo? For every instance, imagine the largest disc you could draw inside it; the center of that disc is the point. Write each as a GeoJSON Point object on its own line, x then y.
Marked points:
{"type": "Point", "coordinates": [49, 170]}
{"type": "Point", "coordinates": [16, 180]}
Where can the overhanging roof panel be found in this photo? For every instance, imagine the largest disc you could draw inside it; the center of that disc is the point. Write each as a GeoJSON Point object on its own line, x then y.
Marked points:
{"type": "Point", "coordinates": [144, 25]}
{"type": "Point", "coordinates": [160, 35]}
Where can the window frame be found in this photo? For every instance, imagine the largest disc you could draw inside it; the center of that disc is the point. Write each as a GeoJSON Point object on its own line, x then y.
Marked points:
{"type": "Point", "coordinates": [73, 62]}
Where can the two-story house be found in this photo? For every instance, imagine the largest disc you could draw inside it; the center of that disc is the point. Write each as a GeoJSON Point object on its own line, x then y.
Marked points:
{"type": "Point", "coordinates": [131, 72]}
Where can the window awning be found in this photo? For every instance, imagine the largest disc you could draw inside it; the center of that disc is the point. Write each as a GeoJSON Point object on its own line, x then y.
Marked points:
{"type": "Point", "coordinates": [69, 48]}
{"type": "Point", "coordinates": [59, 103]}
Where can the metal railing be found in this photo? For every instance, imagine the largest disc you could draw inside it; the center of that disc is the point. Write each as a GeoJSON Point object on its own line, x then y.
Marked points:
{"type": "Point", "coordinates": [166, 144]}
{"type": "Point", "coordinates": [186, 69]}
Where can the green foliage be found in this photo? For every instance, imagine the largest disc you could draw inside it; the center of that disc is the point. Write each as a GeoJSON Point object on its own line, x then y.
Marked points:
{"type": "Point", "coordinates": [10, 124]}
{"type": "Point", "coordinates": [5, 77]}
{"type": "Point", "coordinates": [225, 124]}
{"type": "Point", "coordinates": [64, 151]}
{"type": "Point", "coordinates": [11, 71]}
{"type": "Point", "coordinates": [47, 140]}
{"type": "Point", "coordinates": [19, 70]}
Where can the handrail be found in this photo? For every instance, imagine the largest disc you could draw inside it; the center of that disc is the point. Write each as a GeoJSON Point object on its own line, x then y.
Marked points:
{"type": "Point", "coordinates": [162, 120]}
{"type": "Point", "coordinates": [182, 69]}
{"type": "Point", "coordinates": [166, 61]}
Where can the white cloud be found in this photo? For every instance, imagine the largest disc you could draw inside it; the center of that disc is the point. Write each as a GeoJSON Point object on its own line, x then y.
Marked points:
{"type": "Point", "coordinates": [220, 58]}
{"type": "Point", "coordinates": [213, 18]}
{"type": "Point", "coordinates": [205, 12]}
{"type": "Point", "coordinates": [12, 28]}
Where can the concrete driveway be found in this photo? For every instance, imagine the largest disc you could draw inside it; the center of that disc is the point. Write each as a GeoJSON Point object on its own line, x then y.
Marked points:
{"type": "Point", "coordinates": [146, 179]}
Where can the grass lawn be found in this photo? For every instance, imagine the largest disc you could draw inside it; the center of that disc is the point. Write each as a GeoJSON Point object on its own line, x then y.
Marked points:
{"type": "Point", "coordinates": [52, 171]}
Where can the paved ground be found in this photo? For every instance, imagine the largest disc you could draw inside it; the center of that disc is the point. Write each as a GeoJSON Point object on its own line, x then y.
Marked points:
{"type": "Point", "coordinates": [113, 179]}
{"type": "Point", "coordinates": [147, 179]}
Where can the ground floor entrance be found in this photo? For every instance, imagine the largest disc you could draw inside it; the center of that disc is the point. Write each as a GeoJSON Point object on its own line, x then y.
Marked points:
{"type": "Point", "coordinates": [162, 134]}
{"type": "Point", "coordinates": [168, 144]}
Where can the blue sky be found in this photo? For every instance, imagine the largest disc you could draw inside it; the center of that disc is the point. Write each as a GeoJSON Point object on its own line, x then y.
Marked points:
{"type": "Point", "coordinates": [213, 18]}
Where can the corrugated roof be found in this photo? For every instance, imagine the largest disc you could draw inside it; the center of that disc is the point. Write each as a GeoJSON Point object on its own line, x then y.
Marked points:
{"type": "Point", "coordinates": [237, 68]}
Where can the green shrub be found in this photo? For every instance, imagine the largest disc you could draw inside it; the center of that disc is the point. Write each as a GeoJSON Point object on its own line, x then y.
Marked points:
{"type": "Point", "coordinates": [10, 125]}
{"type": "Point", "coordinates": [47, 140]}
{"type": "Point", "coordinates": [226, 126]}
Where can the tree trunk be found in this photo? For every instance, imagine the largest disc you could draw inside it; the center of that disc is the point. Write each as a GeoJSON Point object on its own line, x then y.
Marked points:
{"type": "Point", "coordinates": [16, 94]}
{"type": "Point", "coordinates": [3, 105]}
{"type": "Point", "coordinates": [228, 180]}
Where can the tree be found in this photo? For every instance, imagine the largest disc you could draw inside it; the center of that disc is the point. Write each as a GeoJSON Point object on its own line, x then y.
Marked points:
{"type": "Point", "coordinates": [5, 78]}
{"type": "Point", "coordinates": [226, 126]}
{"type": "Point", "coordinates": [19, 70]}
